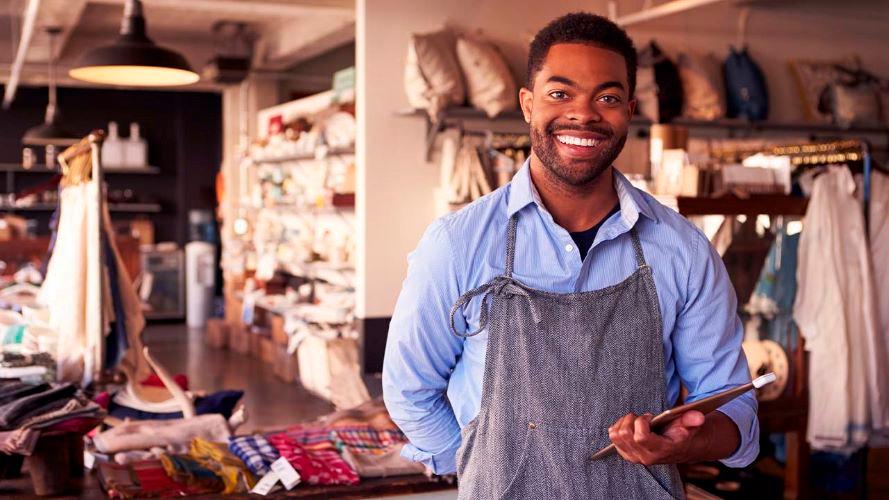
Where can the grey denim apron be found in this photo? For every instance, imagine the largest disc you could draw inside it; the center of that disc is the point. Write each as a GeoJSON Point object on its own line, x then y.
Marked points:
{"type": "Point", "coordinates": [559, 370]}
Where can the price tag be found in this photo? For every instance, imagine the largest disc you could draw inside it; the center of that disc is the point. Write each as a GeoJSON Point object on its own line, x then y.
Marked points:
{"type": "Point", "coordinates": [265, 485]}
{"type": "Point", "coordinates": [288, 475]}
{"type": "Point", "coordinates": [89, 460]}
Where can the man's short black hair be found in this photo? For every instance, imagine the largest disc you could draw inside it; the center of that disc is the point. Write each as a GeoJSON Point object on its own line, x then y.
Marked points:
{"type": "Point", "coordinates": [582, 27]}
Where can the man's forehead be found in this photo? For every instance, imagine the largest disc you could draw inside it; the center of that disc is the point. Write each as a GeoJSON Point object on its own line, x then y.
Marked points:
{"type": "Point", "coordinates": [583, 63]}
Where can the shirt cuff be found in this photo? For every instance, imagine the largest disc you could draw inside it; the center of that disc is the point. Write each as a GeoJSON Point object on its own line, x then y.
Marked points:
{"type": "Point", "coordinates": [744, 417]}
{"type": "Point", "coordinates": [441, 463]}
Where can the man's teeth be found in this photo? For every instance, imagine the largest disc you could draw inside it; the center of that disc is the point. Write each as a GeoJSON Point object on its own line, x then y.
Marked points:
{"type": "Point", "coordinates": [576, 141]}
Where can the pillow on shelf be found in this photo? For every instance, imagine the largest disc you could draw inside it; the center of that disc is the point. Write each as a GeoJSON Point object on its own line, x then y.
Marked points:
{"type": "Point", "coordinates": [489, 82]}
{"type": "Point", "coordinates": [854, 104]}
{"type": "Point", "coordinates": [813, 79]}
{"type": "Point", "coordinates": [701, 86]}
{"type": "Point", "coordinates": [432, 78]}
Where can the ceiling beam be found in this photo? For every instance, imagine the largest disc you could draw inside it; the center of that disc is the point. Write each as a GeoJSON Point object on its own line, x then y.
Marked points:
{"type": "Point", "coordinates": [301, 39]}
{"type": "Point", "coordinates": [30, 20]}
{"type": "Point", "coordinates": [662, 10]}
{"type": "Point", "coordinates": [242, 7]}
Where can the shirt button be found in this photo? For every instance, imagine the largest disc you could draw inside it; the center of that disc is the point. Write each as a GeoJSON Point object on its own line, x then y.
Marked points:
{"type": "Point", "coordinates": [568, 248]}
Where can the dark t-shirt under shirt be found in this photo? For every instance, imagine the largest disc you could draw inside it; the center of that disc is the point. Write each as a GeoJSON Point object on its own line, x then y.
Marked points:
{"type": "Point", "coordinates": [584, 239]}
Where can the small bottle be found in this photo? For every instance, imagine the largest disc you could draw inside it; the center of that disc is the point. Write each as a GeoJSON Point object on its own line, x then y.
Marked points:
{"type": "Point", "coordinates": [135, 149]}
{"type": "Point", "coordinates": [112, 148]}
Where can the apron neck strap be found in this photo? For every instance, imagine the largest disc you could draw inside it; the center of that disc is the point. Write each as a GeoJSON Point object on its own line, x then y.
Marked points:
{"type": "Point", "coordinates": [510, 244]}
{"type": "Point", "coordinates": [637, 248]}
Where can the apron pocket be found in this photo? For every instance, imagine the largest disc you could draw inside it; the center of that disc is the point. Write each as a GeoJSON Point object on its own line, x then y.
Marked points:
{"type": "Point", "coordinates": [518, 479]}
{"type": "Point", "coordinates": [669, 480]}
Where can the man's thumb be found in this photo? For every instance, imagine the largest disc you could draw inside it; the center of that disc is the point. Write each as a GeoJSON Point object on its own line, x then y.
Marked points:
{"type": "Point", "coordinates": [692, 419]}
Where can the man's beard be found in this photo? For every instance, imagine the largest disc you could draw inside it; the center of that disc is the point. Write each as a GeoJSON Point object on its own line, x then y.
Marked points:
{"type": "Point", "coordinates": [572, 172]}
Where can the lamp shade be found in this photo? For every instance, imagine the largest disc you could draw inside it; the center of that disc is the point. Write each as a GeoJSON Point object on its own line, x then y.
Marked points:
{"type": "Point", "coordinates": [134, 60]}
{"type": "Point", "coordinates": [48, 134]}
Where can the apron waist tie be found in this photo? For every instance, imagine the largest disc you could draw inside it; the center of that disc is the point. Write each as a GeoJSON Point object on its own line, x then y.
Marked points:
{"type": "Point", "coordinates": [501, 286]}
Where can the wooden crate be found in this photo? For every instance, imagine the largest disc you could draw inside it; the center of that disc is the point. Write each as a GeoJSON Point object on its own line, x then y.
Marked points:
{"type": "Point", "coordinates": [279, 337]}
{"type": "Point", "coordinates": [286, 366]}
{"type": "Point", "coordinates": [239, 338]}
{"type": "Point", "coordinates": [216, 334]}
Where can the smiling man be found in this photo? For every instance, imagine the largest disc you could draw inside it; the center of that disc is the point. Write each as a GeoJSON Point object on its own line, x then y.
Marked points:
{"type": "Point", "coordinates": [557, 314]}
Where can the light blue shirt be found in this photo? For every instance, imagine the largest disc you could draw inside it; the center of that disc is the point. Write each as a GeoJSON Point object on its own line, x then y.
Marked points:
{"type": "Point", "coordinates": [432, 380]}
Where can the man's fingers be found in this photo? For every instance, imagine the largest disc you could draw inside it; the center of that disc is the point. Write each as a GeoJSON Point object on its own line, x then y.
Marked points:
{"type": "Point", "coordinates": [621, 434]}
{"type": "Point", "coordinates": [642, 427]}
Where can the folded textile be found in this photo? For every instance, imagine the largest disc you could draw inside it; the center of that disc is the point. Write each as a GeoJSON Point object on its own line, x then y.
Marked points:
{"type": "Point", "coordinates": [381, 463]}
{"type": "Point", "coordinates": [372, 413]}
{"type": "Point", "coordinates": [126, 397]}
{"type": "Point", "coordinates": [364, 438]}
{"type": "Point", "coordinates": [312, 436]}
{"type": "Point", "coordinates": [255, 451]}
{"type": "Point", "coordinates": [216, 457]}
{"type": "Point", "coordinates": [154, 381]}
{"type": "Point", "coordinates": [16, 390]}
{"type": "Point", "coordinates": [186, 470]}
{"type": "Point", "coordinates": [19, 441]}
{"type": "Point", "coordinates": [222, 402]}
{"type": "Point", "coordinates": [72, 408]}
{"type": "Point", "coordinates": [11, 413]}
{"type": "Point", "coordinates": [77, 425]}
{"type": "Point", "coordinates": [142, 479]}
{"type": "Point", "coordinates": [142, 435]}
{"type": "Point", "coordinates": [318, 466]}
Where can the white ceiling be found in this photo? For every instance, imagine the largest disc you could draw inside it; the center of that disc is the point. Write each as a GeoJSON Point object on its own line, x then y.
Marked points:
{"type": "Point", "coordinates": [287, 31]}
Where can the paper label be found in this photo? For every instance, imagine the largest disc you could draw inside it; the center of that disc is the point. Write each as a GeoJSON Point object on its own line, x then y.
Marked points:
{"type": "Point", "coordinates": [89, 460]}
{"type": "Point", "coordinates": [288, 475]}
{"type": "Point", "coordinates": [265, 485]}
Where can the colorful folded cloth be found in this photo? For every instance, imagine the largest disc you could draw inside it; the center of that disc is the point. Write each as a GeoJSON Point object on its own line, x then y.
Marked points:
{"type": "Point", "coordinates": [12, 391]}
{"type": "Point", "coordinates": [183, 469]}
{"type": "Point", "coordinates": [146, 478]}
{"type": "Point", "coordinates": [316, 466]}
{"type": "Point", "coordinates": [145, 434]}
{"type": "Point", "coordinates": [312, 436]}
{"type": "Point", "coordinates": [255, 451]}
{"type": "Point", "coordinates": [12, 413]}
{"type": "Point", "coordinates": [385, 462]}
{"type": "Point", "coordinates": [371, 413]}
{"type": "Point", "coordinates": [19, 441]}
{"type": "Point", "coordinates": [366, 439]}
{"type": "Point", "coordinates": [216, 457]}
{"type": "Point", "coordinates": [222, 402]}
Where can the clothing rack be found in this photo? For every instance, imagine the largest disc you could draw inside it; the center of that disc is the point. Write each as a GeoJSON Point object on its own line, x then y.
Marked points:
{"type": "Point", "coordinates": [80, 163]}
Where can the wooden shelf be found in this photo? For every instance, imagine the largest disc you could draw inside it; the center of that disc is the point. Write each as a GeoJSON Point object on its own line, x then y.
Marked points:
{"type": "Point", "coordinates": [305, 157]}
{"type": "Point", "coordinates": [765, 204]}
{"type": "Point", "coordinates": [41, 169]}
{"type": "Point", "coordinates": [113, 207]}
{"type": "Point", "coordinates": [472, 120]}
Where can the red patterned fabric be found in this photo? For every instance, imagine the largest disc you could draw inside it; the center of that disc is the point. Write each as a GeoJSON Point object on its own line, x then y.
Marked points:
{"type": "Point", "coordinates": [320, 465]}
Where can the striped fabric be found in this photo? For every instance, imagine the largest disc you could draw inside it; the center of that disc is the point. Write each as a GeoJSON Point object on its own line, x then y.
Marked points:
{"type": "Point", "coordinates": [432, 380]}
{"type": "Point", "coordinates": [322, 465]}
{"type": "Point", "coordinates": [255, 451]}
{"type": "Point", "coordinates": [365, 439]}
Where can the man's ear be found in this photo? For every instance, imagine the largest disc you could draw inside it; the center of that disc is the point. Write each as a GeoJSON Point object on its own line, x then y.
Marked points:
{"type": "Point", "coordinates": [526, 101]}
{"type": "Point", "coordinates": [632, 106]}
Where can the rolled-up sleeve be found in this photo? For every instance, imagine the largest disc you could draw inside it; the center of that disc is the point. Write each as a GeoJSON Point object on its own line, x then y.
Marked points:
{"type": "Point", "coordinates": [421, 352]}
{"type": "Point", "coordinates": [707, 346]}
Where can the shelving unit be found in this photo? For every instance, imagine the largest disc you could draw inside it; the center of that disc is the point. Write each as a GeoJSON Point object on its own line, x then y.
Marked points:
{"type": "Point", "coordinates": [307, 156]}
{"type": "Point", "coordinates": [766, 204]}
{"type": "Point", "coordinates": [471, 120]}
{"type": "Point", "coordinates": [41, 169]}
{"type": "Point", "coordinates": [113, 207]}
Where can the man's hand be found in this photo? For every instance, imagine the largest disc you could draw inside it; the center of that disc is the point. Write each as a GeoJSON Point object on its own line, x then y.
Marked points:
{"type": "Point", "coordinates": [691, 437]}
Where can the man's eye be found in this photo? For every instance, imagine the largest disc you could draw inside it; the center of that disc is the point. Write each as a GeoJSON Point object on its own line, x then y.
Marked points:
{"type": "Point", "coordinates": [610, 99]}
{"type": "Point", "coordinates": [558, 94]}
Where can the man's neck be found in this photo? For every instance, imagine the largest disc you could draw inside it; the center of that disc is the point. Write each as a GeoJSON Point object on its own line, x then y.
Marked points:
{"type": "Point", "coordinates": [574, 208]}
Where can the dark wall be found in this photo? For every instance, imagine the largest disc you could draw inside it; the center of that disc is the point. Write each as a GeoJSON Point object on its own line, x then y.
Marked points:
{"type": "Point", "coordinates": [184, 134]}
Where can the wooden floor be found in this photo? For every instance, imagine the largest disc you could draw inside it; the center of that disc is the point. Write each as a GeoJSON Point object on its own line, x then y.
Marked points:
{"type": "Point", "coordinates": [270, 402]}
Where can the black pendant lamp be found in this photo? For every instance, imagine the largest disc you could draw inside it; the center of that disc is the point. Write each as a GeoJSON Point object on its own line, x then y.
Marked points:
{"type": "Point", "coordinates": [134, 60]}
{"type": "Point", "coordinates": [50, 132]}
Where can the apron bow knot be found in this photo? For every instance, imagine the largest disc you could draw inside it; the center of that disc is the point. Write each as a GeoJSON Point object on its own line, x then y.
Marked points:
{"type": "Point", "coordinates": [501, 286]}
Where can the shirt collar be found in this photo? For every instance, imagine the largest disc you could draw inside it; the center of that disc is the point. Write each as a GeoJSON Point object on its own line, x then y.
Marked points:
{"type": "Point", "coordinates": [632, 202]}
